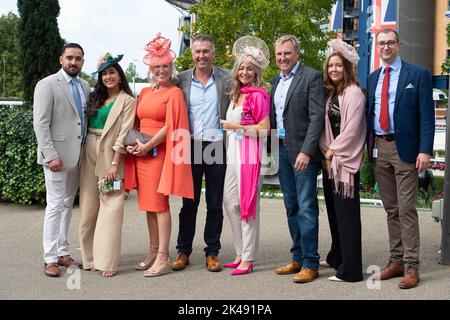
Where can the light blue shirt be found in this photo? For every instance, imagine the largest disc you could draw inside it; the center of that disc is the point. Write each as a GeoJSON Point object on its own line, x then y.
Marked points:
{"type": "Point", "coordinates": [204, 118]}
{"type": "Point", "coordinates": [279, 97]}
{"type": "Point", "coordinates": [394, 74]}
{"type": "Point", "coordinates": [80, 88]}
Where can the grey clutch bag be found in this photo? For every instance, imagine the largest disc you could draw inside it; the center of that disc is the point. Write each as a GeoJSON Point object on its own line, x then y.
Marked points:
{"type": "Point", "coordinates": [133, 134]}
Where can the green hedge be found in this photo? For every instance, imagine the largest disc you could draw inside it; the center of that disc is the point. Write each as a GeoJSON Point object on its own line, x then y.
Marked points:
{"type": "Point", "coordinates": [21, 178]}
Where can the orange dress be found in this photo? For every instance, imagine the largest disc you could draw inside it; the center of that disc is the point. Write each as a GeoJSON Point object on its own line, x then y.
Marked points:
{"type": "Point", "coordinates": [158, 177]}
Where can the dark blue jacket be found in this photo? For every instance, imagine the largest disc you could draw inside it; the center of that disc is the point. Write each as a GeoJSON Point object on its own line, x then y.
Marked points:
{"type": "Point", "coordinates": [413, 112]}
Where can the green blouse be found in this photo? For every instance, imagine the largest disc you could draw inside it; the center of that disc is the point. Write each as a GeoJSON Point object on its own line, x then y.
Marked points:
{"type": "Point", "coordinates": [98, 121]}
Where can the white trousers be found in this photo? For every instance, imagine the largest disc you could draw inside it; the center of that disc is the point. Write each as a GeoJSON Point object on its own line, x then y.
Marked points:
{"type": "Point", "coordinates": [61, 190]}
{"type": "Point", "coordinates": [245, 234]}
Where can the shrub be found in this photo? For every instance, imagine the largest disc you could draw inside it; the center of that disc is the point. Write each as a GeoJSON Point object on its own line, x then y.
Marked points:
{"type": "Point", "coordinates": [21, 178]}
{"type": "Point", "coordinates": [367, 177]}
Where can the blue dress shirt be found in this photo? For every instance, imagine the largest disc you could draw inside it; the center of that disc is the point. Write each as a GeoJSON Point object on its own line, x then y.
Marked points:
{"type": "Point", "coordinates": [204, 118]}
{"type": "Point", "coordinates": [280, 94]}
{"type": "Point", "coordinates": [394, 74]}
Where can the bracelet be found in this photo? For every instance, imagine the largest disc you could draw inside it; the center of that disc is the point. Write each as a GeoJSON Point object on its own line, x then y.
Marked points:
{"type": "Point", "coordinates": [114, 163]}
{"type": "Point", "coordinates": [327, 158]}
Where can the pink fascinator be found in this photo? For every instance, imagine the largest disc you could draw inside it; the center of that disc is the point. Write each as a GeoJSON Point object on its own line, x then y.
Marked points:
{"type": "Point", "coordinates": [347, 50]}
{"type": "Point", "coordinates": [159, 51]}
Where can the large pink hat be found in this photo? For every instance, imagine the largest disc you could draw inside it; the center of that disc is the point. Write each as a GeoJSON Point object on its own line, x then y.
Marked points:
{"type": "Point", "coordinates": [159, 51]}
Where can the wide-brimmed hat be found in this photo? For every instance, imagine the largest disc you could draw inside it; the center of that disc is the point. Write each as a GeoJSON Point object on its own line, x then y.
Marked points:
{"type": "Point", "coordinates": [348, 51]}
{"type": "Point", "coordinates": [252, 48]}
{"type": "Point", "coordinates": [106, 60]}
{"type": "Point", "coordinates": [159, 51]}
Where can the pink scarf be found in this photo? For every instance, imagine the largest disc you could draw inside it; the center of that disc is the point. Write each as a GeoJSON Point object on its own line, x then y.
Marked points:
{"type": "Point", "coordinates": [348, 148]}
{"type": "Point", "coordinates": [255, 108]}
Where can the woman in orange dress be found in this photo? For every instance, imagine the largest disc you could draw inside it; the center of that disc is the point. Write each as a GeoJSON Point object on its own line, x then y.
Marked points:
{"type": "Point", "coordinates": [160, 167]}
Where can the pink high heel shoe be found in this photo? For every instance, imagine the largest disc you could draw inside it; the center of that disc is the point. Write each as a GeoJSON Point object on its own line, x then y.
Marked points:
{"type": "Point", "coordinates": [238, 272]}
{"type": "Point", "coordinates": [233, 264]}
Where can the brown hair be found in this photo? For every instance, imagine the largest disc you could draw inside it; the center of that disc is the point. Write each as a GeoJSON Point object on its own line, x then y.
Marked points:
{"type": "Point", "coordinates": [348, 80]}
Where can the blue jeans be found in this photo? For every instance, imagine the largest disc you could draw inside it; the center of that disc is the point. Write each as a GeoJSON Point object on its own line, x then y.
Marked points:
{"type": "Point", "coordinates": [300, 199]}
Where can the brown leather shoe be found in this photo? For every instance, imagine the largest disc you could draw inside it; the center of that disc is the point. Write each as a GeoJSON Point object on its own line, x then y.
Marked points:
{"type": "Point", "coordinates": [292, 267]}
{"type": "Point", "coordinates": [213, 264]}
{"type": "Point", "coordinates": [67, 261]}
{"type": "Point", "coordinates": [51, 270]}
{"type": "Point", "coordinates": [410, 279]}
{"type": "Point", "coordinates": [306, 275]}
{"type": "Point", "coordinates": [392, 270]}
{"type": "Point", "coordinates": [181, 262]}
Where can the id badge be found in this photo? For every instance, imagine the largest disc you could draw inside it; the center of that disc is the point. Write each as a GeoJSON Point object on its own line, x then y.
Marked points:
{"type": "Point", "coordinates": [281, 133]}
{"type": "Point", "coordinates": [116, 186]}
{"type": "Point", "coordinates": [239, 135]}
{"type": "Point", "coordinates": [375, 153]}
{"type": "Point", "coordinates": [155, 152]}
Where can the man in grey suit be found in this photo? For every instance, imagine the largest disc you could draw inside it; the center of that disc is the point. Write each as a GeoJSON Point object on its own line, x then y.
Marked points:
{"type": "Point", "coordinates": [60, 126]}
{"type": "Point", "coordinates": [205, 90]}
{"type": "Point", "coordinates": [297, 113]}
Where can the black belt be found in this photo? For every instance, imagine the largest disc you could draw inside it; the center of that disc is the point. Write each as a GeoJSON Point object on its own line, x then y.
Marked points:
{"type": "Point", "coordinates": [387, 137]}
{"type": "Point", "coordinates": [203, 143]}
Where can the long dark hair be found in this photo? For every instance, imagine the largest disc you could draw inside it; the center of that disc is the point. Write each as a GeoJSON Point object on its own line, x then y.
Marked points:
{"type": "Point", "coordinates": [349, 76]}
{"type": "Point", "coordinates": [98, 97]}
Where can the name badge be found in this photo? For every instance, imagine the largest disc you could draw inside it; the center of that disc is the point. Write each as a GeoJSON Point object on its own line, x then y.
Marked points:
{"type": "Point", "coordinates": [375, 153]}
{"type": "Point", "coordinates": [281, 133]}
{"type": "Point", "coordinates": [116, 186]}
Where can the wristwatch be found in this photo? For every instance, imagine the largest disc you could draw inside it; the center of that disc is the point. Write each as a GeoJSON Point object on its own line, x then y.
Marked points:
{"type": "Point", "coordinates": [114, 163]}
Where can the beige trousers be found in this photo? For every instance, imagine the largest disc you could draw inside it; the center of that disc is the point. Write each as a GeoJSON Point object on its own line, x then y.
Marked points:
{"type": "Point", "coordinates": [101, 217]}
{"type": "Point", "coordinates": [397, 181]}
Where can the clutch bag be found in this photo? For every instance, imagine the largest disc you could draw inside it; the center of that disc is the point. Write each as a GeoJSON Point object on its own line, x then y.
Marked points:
{"type": "Point", "coordinates": [133, 134]}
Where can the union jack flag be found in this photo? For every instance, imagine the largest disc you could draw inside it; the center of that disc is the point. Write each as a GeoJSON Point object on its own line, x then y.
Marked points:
{"type": "Point", "coordinates": [384, 13]}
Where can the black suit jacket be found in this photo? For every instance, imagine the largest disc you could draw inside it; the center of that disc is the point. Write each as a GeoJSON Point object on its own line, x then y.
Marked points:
{"type": "Point", "coordinates": [304, 111]}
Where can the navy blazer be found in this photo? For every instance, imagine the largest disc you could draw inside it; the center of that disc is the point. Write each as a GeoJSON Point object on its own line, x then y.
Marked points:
{"type": "Point", "coordinates": [413, 112]}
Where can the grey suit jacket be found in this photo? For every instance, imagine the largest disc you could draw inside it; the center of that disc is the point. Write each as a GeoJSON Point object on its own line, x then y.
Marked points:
{"type": "Point", "coordinates": [222, 79]}
{"type": "Point", "coordinates": [303, 115]}
{"type": "Point", "coordinates": [56, 121]}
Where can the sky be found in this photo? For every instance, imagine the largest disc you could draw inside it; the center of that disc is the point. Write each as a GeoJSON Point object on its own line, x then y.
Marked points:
{"type": "Point", "coordinates": [117, 26]}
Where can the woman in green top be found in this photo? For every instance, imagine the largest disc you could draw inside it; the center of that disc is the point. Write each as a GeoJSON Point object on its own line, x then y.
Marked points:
{"type": "Point", "coordinates": [111, 110]}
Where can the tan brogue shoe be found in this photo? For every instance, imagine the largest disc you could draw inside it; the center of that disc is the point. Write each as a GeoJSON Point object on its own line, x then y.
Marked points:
{"type": "Point", "coordinates": [292, 267]}
{"type": "Point", "coordinates": [213, 264]}
{"type": "Point", "coordinates": [67, 261]}
{"type": "Point", "coordinates": [392, 270]}
{"type": "Point", "coordinates": [181, 262]}
{"type": "Point", "coordinates": [306, 275]}
{"type": "Point", "coordinates": [410, 279]}
{"type": "Point", "coordinates": [51, 270]}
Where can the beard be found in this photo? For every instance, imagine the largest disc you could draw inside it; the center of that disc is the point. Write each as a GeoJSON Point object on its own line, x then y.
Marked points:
{"type": "Point", "coordinates": [70, 71]}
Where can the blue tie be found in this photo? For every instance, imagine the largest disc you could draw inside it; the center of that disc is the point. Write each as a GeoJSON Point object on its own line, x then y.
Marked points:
{"type": "Point", "coordinates": [77, 98]}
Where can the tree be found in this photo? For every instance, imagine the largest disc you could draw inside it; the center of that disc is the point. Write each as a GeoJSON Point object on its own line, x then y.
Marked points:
{"type": "Point", "coordinates": [9, 50]}
{"type": "Point", "coordinates": [445, 67]}
{"type": "Point", "coordinates": [131, 73]}
{"type": "Point", "coordinates": [40, 42]}
{"type": "Point", "coordinates": [227, 20]}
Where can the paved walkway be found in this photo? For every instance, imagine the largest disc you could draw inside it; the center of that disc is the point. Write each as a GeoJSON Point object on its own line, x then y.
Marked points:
{"type": "Point", "coordinates": [22, 277]}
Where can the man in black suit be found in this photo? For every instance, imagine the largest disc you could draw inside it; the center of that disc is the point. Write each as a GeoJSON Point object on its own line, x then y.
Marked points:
{"type": "Point", "coordinates": [297, 113]}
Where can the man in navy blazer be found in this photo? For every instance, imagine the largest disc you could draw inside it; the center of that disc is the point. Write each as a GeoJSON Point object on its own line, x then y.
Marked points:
{"type": "Point", "coordinates": [400, 136]}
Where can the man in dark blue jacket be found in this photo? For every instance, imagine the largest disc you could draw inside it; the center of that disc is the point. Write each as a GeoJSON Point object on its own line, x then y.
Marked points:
{"type": "Point", "coordinates": [400, 124]}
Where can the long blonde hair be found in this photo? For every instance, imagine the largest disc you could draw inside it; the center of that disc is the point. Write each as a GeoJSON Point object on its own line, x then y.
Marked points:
{"type": "Point", "coordinates": [236, 84]}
